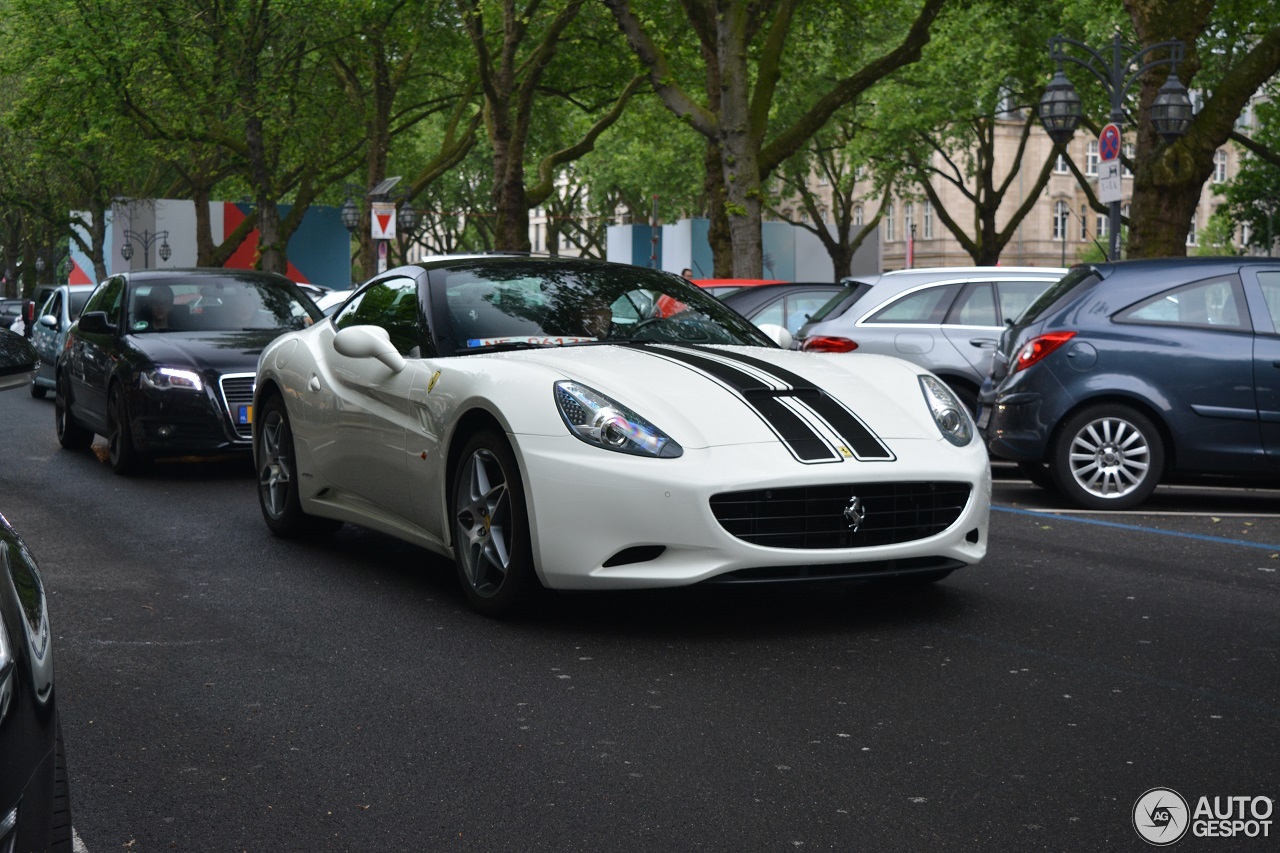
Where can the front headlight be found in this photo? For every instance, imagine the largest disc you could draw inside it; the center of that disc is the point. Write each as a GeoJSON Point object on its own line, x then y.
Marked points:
{"type": "Point", "coordinates": [164, 378]}
{"type": "Point", "coordinates": [599, 421]}
{"type": "Point", "coordinates": [953, 421]}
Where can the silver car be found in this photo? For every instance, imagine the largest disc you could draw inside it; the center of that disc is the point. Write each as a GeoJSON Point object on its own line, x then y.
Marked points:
{"type": "Point", "coordinates": [947, 319]}
{"type": "Point", "coordinates": [54, 317]}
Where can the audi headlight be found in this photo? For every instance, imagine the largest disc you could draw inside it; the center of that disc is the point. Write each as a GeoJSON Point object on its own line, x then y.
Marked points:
{"type": "Point", "coordinates": [164, 378]}
{"type": "Point", "coordinates": [600, 421]}
{"type": "Point", "coordinates": [953, 421]}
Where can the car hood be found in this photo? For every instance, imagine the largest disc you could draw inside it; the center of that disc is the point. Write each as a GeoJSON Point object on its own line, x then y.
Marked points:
{"type": "Point", "coordinates": [223, 352]}
{"type": "Point", "coordinates": [735, 394]}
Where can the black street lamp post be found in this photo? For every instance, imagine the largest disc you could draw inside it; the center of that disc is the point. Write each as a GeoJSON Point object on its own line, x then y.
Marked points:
{"type": "Point", "coordinates": [1060, 107]}
{"type": "Point", "coordinates": [145, 239]}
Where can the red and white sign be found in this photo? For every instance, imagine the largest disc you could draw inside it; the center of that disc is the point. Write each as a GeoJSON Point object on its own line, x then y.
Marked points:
{"type": "Point", "coordinates": [382, 220]}
{"type": "Point", "coordinates": [1109, 143]}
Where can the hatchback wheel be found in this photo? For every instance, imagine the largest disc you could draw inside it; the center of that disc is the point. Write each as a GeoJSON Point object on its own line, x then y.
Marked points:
{"type": "Point", "coordinates": [124, 457]}
{"type": "Point", "coordinates": [71, 435]}
{"type": "Point", "coordinates": [491, 528]}
{"type": "Point", "coordinates": [1108, 457]}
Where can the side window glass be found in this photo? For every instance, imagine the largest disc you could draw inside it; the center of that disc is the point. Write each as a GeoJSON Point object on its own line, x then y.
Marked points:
{"type": "Point", "coordinates": [107, 298]}
{"type": "Point", "coordinates": [1214, 304]}
{"type": "Point", "coordinates": [1270, 282]}
{"type": "Point", "coordinates": [1015, 296]}
{"type": "Point", "coordinates": [923, 306]}
{"type": "Point", "coordinates": [975, 307]}
{"type": "Point", "coordinates": [391, 303]}
{"type": "Point", "coordinates": [801, 307]}
{"type": "Point", "coordinates": [772, 313]}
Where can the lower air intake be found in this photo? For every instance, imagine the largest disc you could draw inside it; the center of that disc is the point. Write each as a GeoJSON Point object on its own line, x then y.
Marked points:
{"type": "Point", "coordinates": [856, 515]}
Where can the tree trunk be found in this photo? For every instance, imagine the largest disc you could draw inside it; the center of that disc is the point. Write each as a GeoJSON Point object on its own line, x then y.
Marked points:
{"type": "Point", "coordinates": [717, 215]}
{"type": "Point", "coordinates": [738, 144]}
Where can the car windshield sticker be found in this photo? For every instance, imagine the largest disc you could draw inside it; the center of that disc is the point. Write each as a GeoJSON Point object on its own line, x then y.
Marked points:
{"type": "Point", "coordinates": [538, 340]}
{"type": "Point", "coordinates": [866, 445]}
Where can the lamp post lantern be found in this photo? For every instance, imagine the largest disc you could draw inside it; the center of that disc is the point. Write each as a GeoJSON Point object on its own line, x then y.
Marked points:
{"type": "Point", "coordinates": [1060, 108]}
{"type": "Point", "coordinates": [146, 240]}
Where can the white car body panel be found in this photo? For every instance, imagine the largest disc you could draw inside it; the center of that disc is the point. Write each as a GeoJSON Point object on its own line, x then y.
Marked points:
{"type": "Point", "coordinates": [371, 447]}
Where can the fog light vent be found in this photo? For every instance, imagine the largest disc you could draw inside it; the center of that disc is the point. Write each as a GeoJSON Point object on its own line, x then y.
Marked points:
{"type": "Point", "coordinates": [637, 554]}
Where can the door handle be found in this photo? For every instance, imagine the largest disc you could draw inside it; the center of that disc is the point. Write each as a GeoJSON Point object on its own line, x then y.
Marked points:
{"type": "Point", "coordinates": [983, 343]}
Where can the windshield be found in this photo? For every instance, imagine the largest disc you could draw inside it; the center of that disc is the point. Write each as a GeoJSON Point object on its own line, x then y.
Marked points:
{"type": "Point", "coordinates": [509, 303]}
{"type": "Point", "coordinates": [217, 305]}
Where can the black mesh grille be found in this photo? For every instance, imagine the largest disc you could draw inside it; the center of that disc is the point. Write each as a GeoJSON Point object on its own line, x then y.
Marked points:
{"type": "Point", "coordinates": [814, 517]}
{"type": "Point", "coordinates": [237, 391]}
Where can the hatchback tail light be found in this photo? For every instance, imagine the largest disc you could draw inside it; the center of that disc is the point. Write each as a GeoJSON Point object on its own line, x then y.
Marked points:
{"type": "Point", "coordinates": [827, 343]}
{"type": "Point", "coordinates": [1038, 347]}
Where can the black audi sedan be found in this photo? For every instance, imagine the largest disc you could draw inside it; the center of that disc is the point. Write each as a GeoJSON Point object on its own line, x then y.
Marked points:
{"type": "Point", "coordinates": [162, 362]}
{"type": "Point", "coordinates": [1125, 375]}
{"type": "Point", "coordinates": [35, 803]}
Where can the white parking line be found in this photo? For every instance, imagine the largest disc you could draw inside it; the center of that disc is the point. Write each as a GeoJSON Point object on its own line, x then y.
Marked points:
{"type": "Point", "coordinates": [77, 846]}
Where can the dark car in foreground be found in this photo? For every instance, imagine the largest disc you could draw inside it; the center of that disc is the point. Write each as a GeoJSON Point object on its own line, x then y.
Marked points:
{"type": "Point", "coordinates": [162, 362]}
{"type": "Point", "coordinates": [35, 804]}
{"type": "Point", "coordinates": [1124, 375]}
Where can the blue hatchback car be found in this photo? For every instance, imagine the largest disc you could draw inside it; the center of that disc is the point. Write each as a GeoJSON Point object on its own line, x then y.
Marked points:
{"type": "Point", "coordinates": [1123, 375]}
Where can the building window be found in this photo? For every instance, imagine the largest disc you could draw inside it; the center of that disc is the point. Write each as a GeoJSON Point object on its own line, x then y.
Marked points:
{"type": "Point", "coordinates": [1060, 220]}
{"type": "Point", "coordinates": [1091, 159]}
{"type": "Point", "coordinates": [908, 219]}
{"type": "Point", "coordinates": [1104, 225]}
{"type": "Point", "coordinates": [1060, 165]}
{"type": "Point", "coordinates": [1192, 240]}
{"type": "Point", "coordinates": [928, 220]}
{"type": "Point", "coordinates": [857, 215]}
{"type": "Point", "coordinates": [1125, 171]}
{"type": "Point", "coordinates": [1220, 166]}
{"type": "Point", "coordinates": [888, 223]}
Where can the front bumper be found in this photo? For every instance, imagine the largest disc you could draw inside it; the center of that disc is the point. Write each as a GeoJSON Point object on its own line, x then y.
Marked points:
{"type": "Point", "coordinates": [603, 520]}
{"type": "Point", "coordinates": [1014, 427]}
{"type": "Point", "coordinates": [188, 422]}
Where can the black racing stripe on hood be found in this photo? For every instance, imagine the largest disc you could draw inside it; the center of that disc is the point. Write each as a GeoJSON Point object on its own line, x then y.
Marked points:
{"type": "Point", "coordinates": [864, 443]}
{"type": "Point", "coordinates": [799, 437]}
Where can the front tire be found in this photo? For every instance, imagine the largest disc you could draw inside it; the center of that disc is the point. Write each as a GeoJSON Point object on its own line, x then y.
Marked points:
{"type": "Point", "coordinates": [1108, 457]}
{"type": "Point", "coordinates": [278, 476]}
{"type": "Point", "coordinates": [125, 459]}
{"type": "Point", "coordinates": [491, 528]}
{"type": "Point", "coordinates": [38, 391]}
{"type": "Point", "coordinates": [71, 435]}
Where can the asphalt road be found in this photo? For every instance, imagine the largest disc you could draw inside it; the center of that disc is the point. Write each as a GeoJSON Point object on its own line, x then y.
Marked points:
{"type": "Point", "coordinates": [223, 690]}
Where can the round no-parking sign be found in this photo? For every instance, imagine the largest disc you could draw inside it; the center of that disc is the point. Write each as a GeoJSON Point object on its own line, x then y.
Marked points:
{"type": "Point", "coordinates": [1109, 143]}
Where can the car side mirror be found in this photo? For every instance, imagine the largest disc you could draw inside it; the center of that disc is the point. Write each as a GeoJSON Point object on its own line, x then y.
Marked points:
{"type": "Point", "coordinates": [777, 334]}
{"type": "Point", "coordinates": [18, 361]}
{"type": "Point", "coordinates": [95, 323]}
{"type": "Point", "coordinates": [369, 342]}
{"type": "Point", "coordinates": [49, 321]}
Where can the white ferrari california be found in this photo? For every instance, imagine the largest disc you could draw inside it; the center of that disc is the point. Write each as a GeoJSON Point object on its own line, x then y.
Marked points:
{"type": "Point", "coordinates": [543, 423]}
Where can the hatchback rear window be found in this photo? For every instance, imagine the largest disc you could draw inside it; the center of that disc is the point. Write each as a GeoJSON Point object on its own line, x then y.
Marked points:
{"type": "Point", "coordinates": [1059, 291]}
{"type": "Point", "coordinates": [841, 302]}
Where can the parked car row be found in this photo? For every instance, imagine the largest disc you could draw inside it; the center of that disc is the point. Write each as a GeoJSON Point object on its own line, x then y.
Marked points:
{"type": "Point", "coordinates": [1100, 382]}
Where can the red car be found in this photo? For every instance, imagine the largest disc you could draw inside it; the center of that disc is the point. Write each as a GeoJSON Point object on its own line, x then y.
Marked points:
{"type": "Point", "coordinates": [717, 287]}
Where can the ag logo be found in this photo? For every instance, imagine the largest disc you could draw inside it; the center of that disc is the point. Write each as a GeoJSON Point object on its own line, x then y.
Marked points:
{"type": "Point", "coordinates": [1161, 817]}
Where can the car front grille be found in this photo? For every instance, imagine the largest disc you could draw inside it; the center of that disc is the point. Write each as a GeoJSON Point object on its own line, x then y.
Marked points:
{"type": "Point", "coordinates": [237, 391]}
{"type": "Point", "coordinates": [823, 517]}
